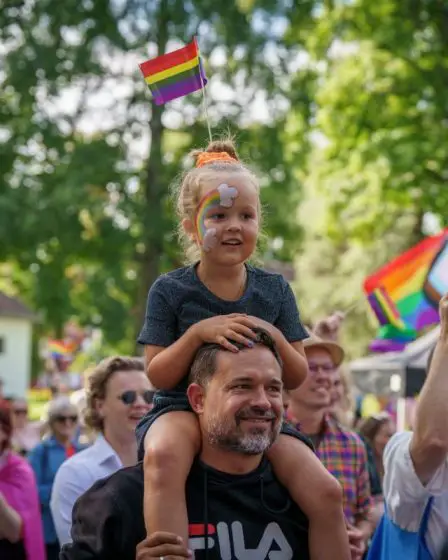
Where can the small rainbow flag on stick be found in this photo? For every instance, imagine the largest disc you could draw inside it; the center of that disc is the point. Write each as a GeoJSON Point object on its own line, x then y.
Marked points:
{"type": "Point", "coordinates": [174, 74]}
{"type": "Point", "coordinates": [385, 309]}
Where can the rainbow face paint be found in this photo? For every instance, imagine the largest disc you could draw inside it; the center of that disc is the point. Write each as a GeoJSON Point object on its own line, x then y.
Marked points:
{"type": "Point", "coordinates": [222, 197]}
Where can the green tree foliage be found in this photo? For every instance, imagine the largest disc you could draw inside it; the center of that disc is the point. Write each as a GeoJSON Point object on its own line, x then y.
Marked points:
{"type": "Point", "coordinates": [381, 108]}
{"type": "Point", "coordinates": [379, 162]}
{"type": "Point", "coordinates": [346, 98]}
{"type": "Point", "coordinates": [86, 221]}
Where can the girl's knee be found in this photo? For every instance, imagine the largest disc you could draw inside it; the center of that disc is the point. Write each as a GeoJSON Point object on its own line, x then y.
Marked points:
{"type": "Point", "coordinates": [160, 456]}
{"type": "Point", "coordinates": [170, 446]}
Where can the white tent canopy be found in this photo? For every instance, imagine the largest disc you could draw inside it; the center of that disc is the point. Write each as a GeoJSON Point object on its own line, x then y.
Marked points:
{"type": "Point", "coordinates": [372, 374]}
{"type": "Point", "coordinates": [415, 355]}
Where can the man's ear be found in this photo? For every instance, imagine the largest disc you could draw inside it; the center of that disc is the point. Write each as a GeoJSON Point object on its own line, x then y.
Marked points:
{"type": "Point", "coordinates": [195, 394]}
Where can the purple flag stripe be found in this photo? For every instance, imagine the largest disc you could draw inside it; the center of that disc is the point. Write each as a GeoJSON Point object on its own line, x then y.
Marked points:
{"type": "Point", "coordinates": [377, 309]}
{"type": "Point", "coordinates": [179, 89]}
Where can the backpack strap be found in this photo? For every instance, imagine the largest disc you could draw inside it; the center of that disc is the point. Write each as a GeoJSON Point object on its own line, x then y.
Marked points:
{"type": "Point", "coordinates": [424, 523]}
{"type": "Point", "coordinates": [44, 461]}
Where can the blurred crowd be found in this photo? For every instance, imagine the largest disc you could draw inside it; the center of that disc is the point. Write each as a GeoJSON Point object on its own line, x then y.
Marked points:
{"type": "Point", "coordinates": [91, 435]}
{"type": "Point", "coordinates": [103, 424]}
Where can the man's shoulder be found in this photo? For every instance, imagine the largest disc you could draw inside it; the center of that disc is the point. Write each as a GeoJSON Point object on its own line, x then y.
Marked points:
{"type": "Point", "coordinates": [123, 486]}
{"type": "Point", "coordinates": [398, 445]}
{"type": "Point", "coordinates": [127, 477]}
{"type": "Point", "coordinates": [398, 466]}
{"type": "Point", "coordinates": [404, 494]}
{"type": "Point", "coordinates": [108, 518]}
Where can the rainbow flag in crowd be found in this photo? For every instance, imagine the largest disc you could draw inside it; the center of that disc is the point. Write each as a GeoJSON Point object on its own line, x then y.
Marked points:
{"type": "Point", "coordinates": [384, 308]}
{"type": "Point", "coordinates": [174, 74]}
{"type": "Point", "coordinates": [60, 348]}
{"type": "Point", "coordinates": [405, 293]}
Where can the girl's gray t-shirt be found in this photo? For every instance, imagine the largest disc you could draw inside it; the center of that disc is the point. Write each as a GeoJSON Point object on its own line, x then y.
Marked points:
{"type": "Point", "coordinates": [177, 300]}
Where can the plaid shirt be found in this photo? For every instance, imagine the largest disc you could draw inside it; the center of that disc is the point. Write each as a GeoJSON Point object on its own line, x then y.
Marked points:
{"type": "Point", "coordinates": [343, 453]}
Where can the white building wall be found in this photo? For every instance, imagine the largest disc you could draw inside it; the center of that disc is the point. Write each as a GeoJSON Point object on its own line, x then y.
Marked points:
{"type": "Point", "coordinates": [15, 355]}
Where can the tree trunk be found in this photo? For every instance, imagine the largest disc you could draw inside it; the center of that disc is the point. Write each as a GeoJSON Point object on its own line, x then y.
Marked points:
{"type": "Point", "coordinates": [154, 191]}
{"type": "Point", "coordinates": [417, 231]}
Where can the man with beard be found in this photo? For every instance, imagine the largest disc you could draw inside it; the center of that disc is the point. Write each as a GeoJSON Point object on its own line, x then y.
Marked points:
{"type": "Point", "coordinates": [236, 507]}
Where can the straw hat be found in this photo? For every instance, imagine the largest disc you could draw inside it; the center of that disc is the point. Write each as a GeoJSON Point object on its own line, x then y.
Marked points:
{"type": "Point", "coordinates": [336, 352]}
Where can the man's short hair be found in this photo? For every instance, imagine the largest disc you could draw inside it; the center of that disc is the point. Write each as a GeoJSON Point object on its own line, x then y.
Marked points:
{"type": "Point", "coordinates": [204, 363]}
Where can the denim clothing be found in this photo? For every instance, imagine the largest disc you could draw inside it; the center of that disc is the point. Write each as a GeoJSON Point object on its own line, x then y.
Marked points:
{"type": "Point", "coordinates": [45, 459]}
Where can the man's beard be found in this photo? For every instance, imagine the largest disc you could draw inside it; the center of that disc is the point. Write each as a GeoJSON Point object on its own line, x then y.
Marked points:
{"type": "Point", "coordinates": [229, 435]}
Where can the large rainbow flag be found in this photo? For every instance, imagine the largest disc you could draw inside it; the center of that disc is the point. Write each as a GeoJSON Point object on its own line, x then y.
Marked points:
{"type": "Point", "coordinates": [175, 74]}
{"type": "Point", "coordinates": [405, 293]}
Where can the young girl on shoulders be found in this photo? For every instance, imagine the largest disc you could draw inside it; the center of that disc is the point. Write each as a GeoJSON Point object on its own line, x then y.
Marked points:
{"type": "Point", "coordinates": [220, 299]}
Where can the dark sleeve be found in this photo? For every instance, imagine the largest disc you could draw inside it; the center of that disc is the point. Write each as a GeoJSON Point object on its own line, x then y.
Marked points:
{"type": "Point", "coordinates": [288, 321]}
{"type": "Point", "coordinates": [444, 555]}
{"type": "Point", "coordinates": [96, 527]}
{"type": "Point", "coordinates": [374, 476]}
{"type": "Point", "coordinates": [160, 324]}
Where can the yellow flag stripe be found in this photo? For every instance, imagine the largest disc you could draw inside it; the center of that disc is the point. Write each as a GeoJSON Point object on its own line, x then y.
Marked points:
{"type": "Point", "coordinates": [173, 71]}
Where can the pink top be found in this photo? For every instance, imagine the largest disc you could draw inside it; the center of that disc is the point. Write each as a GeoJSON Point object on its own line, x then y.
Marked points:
{"type": "Point", "coordinates": [18, 486]}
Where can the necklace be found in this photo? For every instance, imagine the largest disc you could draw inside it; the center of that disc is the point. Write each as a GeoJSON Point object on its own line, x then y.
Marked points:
{"type": "Point", "coordinates": [241, 287]}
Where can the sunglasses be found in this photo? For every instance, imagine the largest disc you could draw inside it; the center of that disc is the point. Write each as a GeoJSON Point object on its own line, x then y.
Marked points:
{"type": "Point", "coordinates": [129, 397]}
{"type": "Point", "coordinates": [64, 419]}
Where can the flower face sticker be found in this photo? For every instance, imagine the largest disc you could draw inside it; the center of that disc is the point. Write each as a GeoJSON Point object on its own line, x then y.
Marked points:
{"type": "Point", "coordinates": [227, 195]}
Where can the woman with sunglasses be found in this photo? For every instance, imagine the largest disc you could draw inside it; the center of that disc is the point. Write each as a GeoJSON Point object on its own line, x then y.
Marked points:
{"type": "Point", "coordinates": [48, 456]}
{"type": "Point", "coordinates": [118, 396]}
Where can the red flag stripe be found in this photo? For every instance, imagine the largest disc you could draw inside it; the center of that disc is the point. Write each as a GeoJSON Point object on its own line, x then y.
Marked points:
{"type": "Point", "coordinates": [169, 60]}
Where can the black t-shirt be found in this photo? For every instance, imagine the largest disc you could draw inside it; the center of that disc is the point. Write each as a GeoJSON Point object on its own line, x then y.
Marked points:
{"type": "Point", "coordinates": [179, 299]}
{"type": "Point", "coordinates": [248, 516]}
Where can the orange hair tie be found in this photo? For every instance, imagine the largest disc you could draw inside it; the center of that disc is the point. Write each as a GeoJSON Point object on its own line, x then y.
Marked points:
{"type": "Point", "coordinates": [208, 157]}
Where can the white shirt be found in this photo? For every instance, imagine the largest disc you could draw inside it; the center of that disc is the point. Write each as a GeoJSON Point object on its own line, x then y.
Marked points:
{"type": "Point", "coordinates": [74, 477]}
{"type": "Point", "coordinates": [406, 497]}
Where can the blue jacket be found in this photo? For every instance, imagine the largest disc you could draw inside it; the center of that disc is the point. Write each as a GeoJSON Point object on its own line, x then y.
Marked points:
{"type": "Point", "coordinates": [45, 459]}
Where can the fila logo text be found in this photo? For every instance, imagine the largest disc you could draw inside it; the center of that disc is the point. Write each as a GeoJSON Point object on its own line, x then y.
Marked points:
{"type": "Point", "coordinates": [229, 538]}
